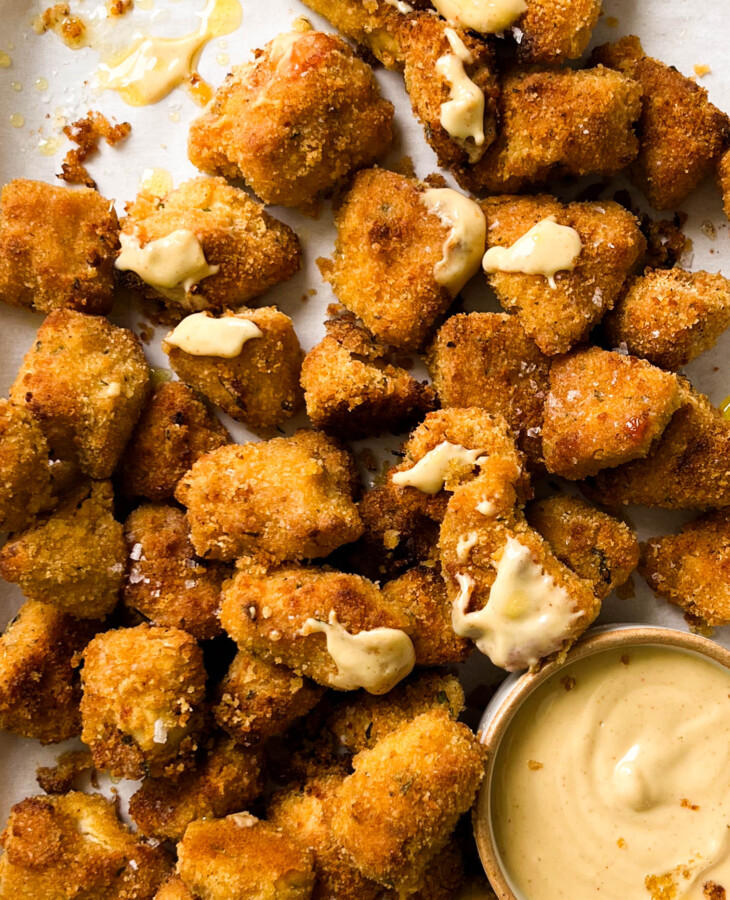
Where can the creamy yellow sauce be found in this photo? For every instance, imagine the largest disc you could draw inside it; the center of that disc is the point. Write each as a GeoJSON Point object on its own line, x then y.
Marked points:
{"type": "Point", "coordinates": [613, 780]}
{"type": "Point", "coordinates": [484, 16]}
{"type": "Point", "coordinates": [462, 115]}
{"type": "Point", "coordinates": [546, 249]}
{"type": "Point", "coordinates": [429, 474]}
{"type": "Point", "coordinates": [464, 245]}
{"type": "Point", "coordinates": [203, 335]}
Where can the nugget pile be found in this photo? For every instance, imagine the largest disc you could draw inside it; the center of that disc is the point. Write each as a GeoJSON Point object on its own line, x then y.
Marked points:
{"type": "Point", "coordinates": [264, 645]}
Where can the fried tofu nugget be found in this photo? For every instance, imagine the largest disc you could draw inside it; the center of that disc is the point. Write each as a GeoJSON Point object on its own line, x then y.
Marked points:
{"type": "Point", "coordinates": [85, 381]}
{"type": "Point", "coordinates": [174, 889]}
{"type": "Point", "coordinates": [559, 314]}
{"type": "Point", "coordinates": [604, 409]}
{"type": "Point", "coordinates": [419, 778]}
{"type": "Point", "coordinates": [73, 846]}
{"type": "Point", "coordinates": [248, 250]}
{"type": "Point", "coordinates": [723, 178]}
{"type": "Point", "coordinates": [670, 316]}
{"type": "Point", "coordinates": [240, 857]}
{"type": "Point", "coordinates": [74, 560]}
{"type": "Point", "coordinates": [175, 429]}
{"type": "Point", "coordinates": [260, 384]}
{"type": "Point", "coordinates": [295, 122]}
{"type": "Point", "coordinates": [691, 569]}
{"type": "Point", "coordinates": [352, 389]}
{"type": "Point", "coordinates": [258, 699]}
{"type": "Point", "coordinates": [142, 704]}
{"type": "Point", "coordinates": [553, 31]}
{"type": "Point", "coordinates": [39, 685]}
{"type": "Point", "coordinates": [283, 499]}
{"type": "Point", "coordinates": [57, 248]}
{"type": "Point", "coordinates": [166, 582]}
{"type": "Point", "coordinates": [226, 779]}
{"type": "Point", "coordinates": [393, 264]}
{"type": "Point", "coordinates": [25, 475]}
{"type": "Point", "coordinates": [555, 124]}
{"type": "Point", "coordinates": [680, 132]}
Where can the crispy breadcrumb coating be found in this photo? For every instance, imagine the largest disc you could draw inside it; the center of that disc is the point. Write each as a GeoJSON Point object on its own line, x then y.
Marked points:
{"type": "Point", "coordinates": [60, 777]}
{"type": "Point", "coordinates": [295, 122]}
{"type": "Point", "coordinates": [25, 476]}
{"type": "Point", "coordinates": [553, 31]}
{"type": "Point", "coordinates": [723, 177]}
{"type": "Point", "coordinates": [86, 133]}
{"type": "Point", "coordinates": [174, 889]}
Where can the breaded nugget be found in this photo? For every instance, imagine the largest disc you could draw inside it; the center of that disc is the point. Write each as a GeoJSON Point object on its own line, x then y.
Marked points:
{"type": "Point", "coordinates": [418, 779]}
{"type": "Point", "coordinates": [604, 409]}
{"type": "Point", "coordinates": [260, 385]}
{"type": "Point", "coordinates": [25, 475]}
{"type": "Point", "coordinates": [560, 314]}
{"type": "Point", "coordinates": [250, 250]}
{"type": "Point", "coordinates": [443, 876]}
{"type": "Point", "coordinates": [226, 779]}
{"type": "Point", "coordinates": [142, 704]}
{"type": "Point", "coordinates": [166, 582]}
{"type": "Point", "coordinates": [394, 256]}
{"type": "Point", "coordinates": [73, 846]}
{"type": "Point", "coordinates": [73, 560]}
{"type": "Point", "coordinates": [670, 316]}
{"type": "Point", "coordinates": [295, 122]}
{"type": "Point", "coordinates": [553, 31]}
{"type": "Point", "coordinates": [554, 124]}
{"type": "Point", "coordinates": [353, 389]}
{"type": "Point", "coordinates": [598, 547]}
{"type": "Point", "coordinates": [175, 429]}
{"type": "Point", "coordinates": [283, 499]}
{"type": "Point", "coordinates": [258, 699]}
{"type": "Point", "coordinates": [691, 569]}
{"type": "Point", "coordinates": [57, 247]}
{"type": "Point", "coordinates": [486, 360]}
{"type": "Point", "coordinates": [174, 889]}
{"type": "Point", "coordinates": [39, 685]}
{"type": "Point", "coordinates": [723, 178]}
{"type": "Point", "coordinates": [240, 857]}
{"type": "Point", "coordinates": [85, 381]}
{"type": "Point", "coordinates": [680, 132]}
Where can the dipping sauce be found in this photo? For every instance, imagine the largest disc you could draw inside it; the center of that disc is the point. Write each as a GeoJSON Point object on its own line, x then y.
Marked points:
{"type": "Point", "coordinates": [613, 780]}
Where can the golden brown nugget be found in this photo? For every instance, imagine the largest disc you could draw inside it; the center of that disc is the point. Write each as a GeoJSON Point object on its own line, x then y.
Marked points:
{"type": "Point", "coordinates": [73, 846]}
{"type": "Point", "coordinates": [419, 778]}
{"type": "Point", "coordinates": [174, 889]}
{"type": "Point", "coordinates": [486, 360]}
{"type": "Point", "coordinates": [555, 124]}
{"type": "Point", "coordinates": [723, 178]}
{"type": "Point", "coordinates": [680, 132]}
{"type": "Point", "coordinates": [691, 569]}
{"type": "Point", "coordinates": [227, 779]}
{"type": "Point", "coordinates": [597, 547]}
{"type": "Point", "coordinates": [240, 857]}
{"type": "Point", "coordinates": [249, 250]}
{"type": "Point", "coordinates": [604, 409]}
{"type": "Point", "coordinates": [258, 699]}
{"type": "Point", "coordinates": [85, 381]}
{"type": "Point", "coordinates": [39, 686]}
{"type": "Point", "coordinates": [560, 314]}
{"type": "Point", "coordinates": [74, 560]}
{"type": "Point", "coordinates": [553, 31]}
{"type": "Point", "coordinates": [259, 385]}
{"type": "Point", "coordinates": [443, 876]}
{"type": "Point", "coordinates": [175, 429]}
{"type": "Point", "coordinates": [352, 389]}
{"type": "Point", "coordinates": [394, 263]}
{"type": "Point", "coordinates": [283, 499]}
{"type": "Point", "coordinates": [670, 316]}
{"type": "Point", "coordinates": [57, 248]}
{"type": "Point", "coordinates": [295, 122]}
{"type": "Point", "coordinates": [142, 704]}
{"type": "Point", "coordinates": [166, 582]}
{"type": "Point", "coordinates": [25, 475]}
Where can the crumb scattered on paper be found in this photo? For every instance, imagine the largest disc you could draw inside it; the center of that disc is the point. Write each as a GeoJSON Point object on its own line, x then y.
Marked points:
{"type": "Point", "coordinates": [87, 133]}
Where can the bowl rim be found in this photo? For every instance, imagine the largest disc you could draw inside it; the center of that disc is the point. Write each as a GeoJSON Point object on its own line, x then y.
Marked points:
{"type": "Point", "coordinates": [499, 715]}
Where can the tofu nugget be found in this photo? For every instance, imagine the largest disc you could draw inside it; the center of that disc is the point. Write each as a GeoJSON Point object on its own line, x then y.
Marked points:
{"type": "Point", "coordinates": [248, 363]}
{"type": "Point", "coordinates": [723, 177]}
{"type": "Point", "coordinates": [174, 889]}
{"type": "Point", "coordinates": [25, 475]}
{"type": "Point", "coordinates": [283, 499]}
{"type": "Point", "coordinates": [74, 560]}
{"type": "Point", "coordinates": [403, 252]}
{"type": "Point", "coordinates": [604, 409]}
{"type": "Point", "coordinates": [295, 122]}
{"type": "Point", "coordinates": [73, 846]}
{"type": "Point", "coordinates": [680, 132]}
{"type": "Point", "coordinates": [419, 779]}
{"type": "Point", "coordinates": [553, 31]}
{"type": "Point", "coordinates": [85, 381]}
{"type": "Point", "coordinates": [692, 569]}
{"type": "Point", "coordinates": [670, 316]}
{"type": "Point", "coordinates": [559, 312]}
{"type": "Point", "coordinates": [205, 245]}
{"type": "Point", "coordinates": [57, 248]}
{"type": "Point", "coordinates": [353, 389]}
{"type": "Point", "coordinates": [142, 705]}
